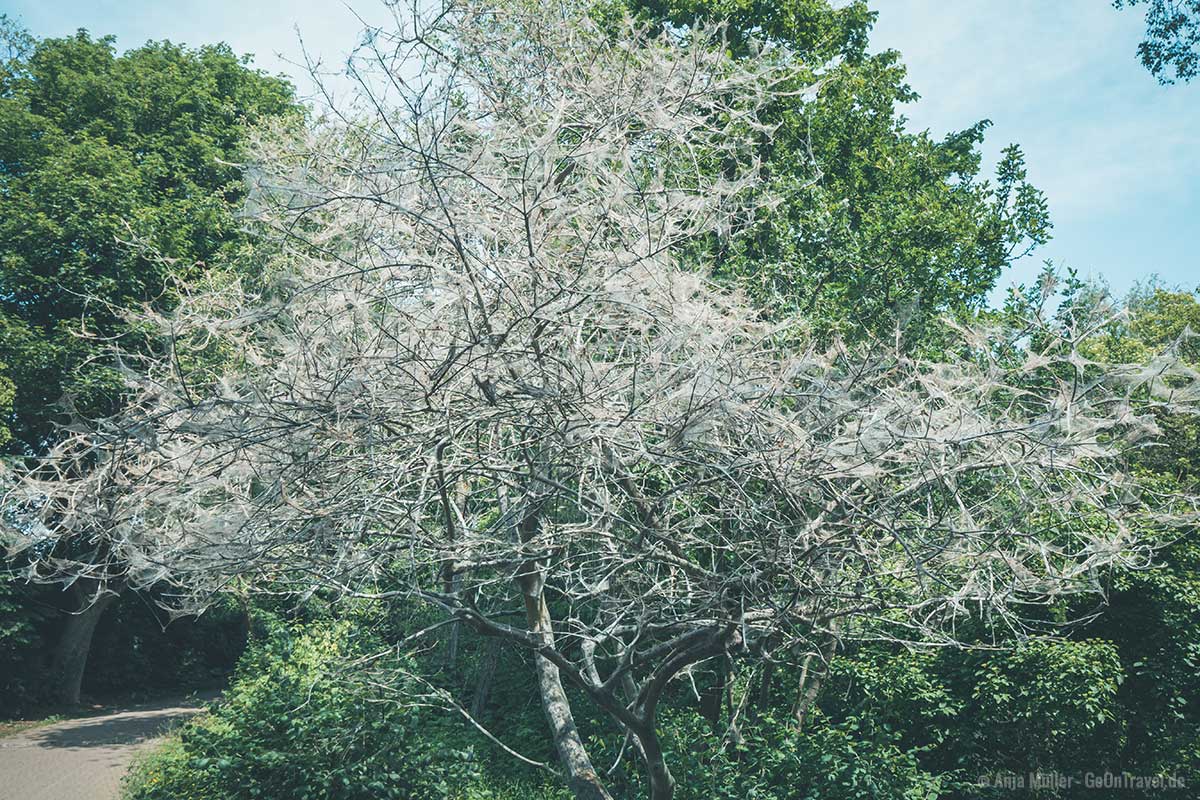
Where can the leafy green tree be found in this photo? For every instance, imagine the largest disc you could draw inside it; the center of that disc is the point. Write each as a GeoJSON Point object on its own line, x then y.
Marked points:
{"type": "Point", "coordinates": [99, 151]}
{"type": "Point", "coordinates": [1153, 618]}
{"type": "Point", "coordinates": [1171, 49]}
{"type": "Point", "coordinates": [104, 160]}
{"type": "Point", "coordinates": [881, 225]}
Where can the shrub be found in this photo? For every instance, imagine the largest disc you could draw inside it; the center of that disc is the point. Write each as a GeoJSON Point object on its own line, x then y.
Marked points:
{"type": "Point", "coordinates": [295, 723]}
{"type": "Point", "coordinates": [846, 760]}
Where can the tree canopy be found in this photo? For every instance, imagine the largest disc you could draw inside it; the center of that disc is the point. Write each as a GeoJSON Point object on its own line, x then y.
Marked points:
{"type": "Point", "coordinates": [878, 225]}
{"type": "Point", "coordinates": [118, 177]}
{"type": "Point", "coordinates": [1171, 49]}
{"type": "Point", "coordinates": [614, 374]}
{"type": "Point", "coordinates": [105, 159]}
{"type": "Point", "coordinates": [487, 369]}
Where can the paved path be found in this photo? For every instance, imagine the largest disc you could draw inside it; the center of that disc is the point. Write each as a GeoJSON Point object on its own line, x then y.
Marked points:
{"type": "Point", "coordinates": [83, 759]}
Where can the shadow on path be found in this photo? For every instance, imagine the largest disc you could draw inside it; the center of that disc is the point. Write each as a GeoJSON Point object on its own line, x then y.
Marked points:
{"type": "Point", "coordinates": [85, 758]}
{"type": "Point", "coordinates": [124, 728]}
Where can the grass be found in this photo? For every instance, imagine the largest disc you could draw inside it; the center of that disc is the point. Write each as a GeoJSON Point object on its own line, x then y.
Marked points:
{"type": "Point", "coordinates": [9, 727]}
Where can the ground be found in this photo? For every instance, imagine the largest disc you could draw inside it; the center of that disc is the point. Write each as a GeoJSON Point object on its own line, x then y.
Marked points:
{"type": "Point", "coordinates": [83, 758]}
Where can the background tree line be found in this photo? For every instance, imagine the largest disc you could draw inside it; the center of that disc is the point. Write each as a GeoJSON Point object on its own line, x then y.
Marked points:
{"type": "Point", "coordinates": [101, 151]}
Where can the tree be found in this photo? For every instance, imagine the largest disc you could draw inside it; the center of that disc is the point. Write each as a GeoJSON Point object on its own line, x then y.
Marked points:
{"type": "Point", "coordinates": [482, 372]}
{"type": "Point", "coordinates": [1153, 618]}
{"type": "Point", "coordinates": [877, 225]}
{"type": "Point", "coordinates": [1171, 49]}
{"type": "Point", "coordinates": [98, 151]}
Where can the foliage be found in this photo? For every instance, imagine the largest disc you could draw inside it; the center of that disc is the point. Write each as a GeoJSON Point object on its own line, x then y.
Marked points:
{"type": "Point", "coordinates": [138, 648]}
{"type": "Point", "coordinates": [967, 715]}
{"type": "Point", "coordinates": [1153, 619]}
{"type": "Point", "coordinates": [1119, 693]}
{"type": "Point", "coordinates": [481, 371]}
{"type": "Point", "coordinates": [859, 225]}
{"type": "Point", "coordinates": [1044, 706]}
{"type": "Point", "coordinates": [102, 155]}
{"type": "Point", "coordinates": [117, 177]}
{"type": "Point", "coordinates": [878, 226]}
{"type": "Point", "coordinates": [1153, 616]}
{"type": "Point", "coordinates": [297, 716]}
{"type": "Point", "coordinates": [849, 759]}
{"type": "Point", "coordinates": [135, 652]}
{"type": "Point", "coordinates": [22, 622]}
{"type": "Point", "coordinates": [1171, 49]}
{"type": "Point", "coordinates": [294, 723]}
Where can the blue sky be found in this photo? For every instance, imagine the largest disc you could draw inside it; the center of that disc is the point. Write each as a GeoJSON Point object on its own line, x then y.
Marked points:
{"type": "Point", "coordinates": [1117, 155]}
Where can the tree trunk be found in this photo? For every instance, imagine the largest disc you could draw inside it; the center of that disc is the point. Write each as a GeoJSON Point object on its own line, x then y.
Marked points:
{"type": "Point", "coordinates": [712, 698]}
{"type": "Point", "coordinates": [764, 687]}
{"type": "Point", "coordinates": [455, 633]}
{"type": "Point", "coordinates": [74, 644]}
{"type": "Point", "coordinates": [581, 775]}
{"type": "Point", "coordinates": [451, 579]}
{"type": "Point", "coordinates": [662, 783]}
{"type": "Point", "coordinates": [810, 681]}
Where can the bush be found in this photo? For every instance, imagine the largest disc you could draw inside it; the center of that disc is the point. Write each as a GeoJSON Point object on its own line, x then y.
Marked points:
{"type": "Point", "coordinates": [846, 760]}
{"type": "Point", "coordinates": [295, 723]}
{"type": "Point", "coordinates": [970, 715]}
{"type": "Point", "coordinates": [22, 632]}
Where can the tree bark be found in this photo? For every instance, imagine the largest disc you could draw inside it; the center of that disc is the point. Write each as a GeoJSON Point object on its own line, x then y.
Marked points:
{"type": "Point", "coordinates": [810, 681]}
{"type": "Point", "coordinates": [582, 777]}
{"type": "Point", "coordinates": [662, 782]}
{"type": "Point", "coordinates": [765, 685]}
{"type": "Point", "coordinates": [712, 697]}
{"type": "Point", "coordinates": [455, 633]}
{"type": "Point", "coordinates": [74, 644]}
{"type": "Point", "coordinates": [451, 580]}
